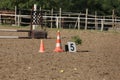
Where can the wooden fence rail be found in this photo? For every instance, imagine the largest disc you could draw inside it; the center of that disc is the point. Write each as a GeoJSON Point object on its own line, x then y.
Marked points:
{"type": "Point", "coordinates": [62, 19]}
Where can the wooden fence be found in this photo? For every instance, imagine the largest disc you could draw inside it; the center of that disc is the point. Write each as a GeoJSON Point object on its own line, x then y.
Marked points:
{"type": "Point", "coordinates": [61, 19]}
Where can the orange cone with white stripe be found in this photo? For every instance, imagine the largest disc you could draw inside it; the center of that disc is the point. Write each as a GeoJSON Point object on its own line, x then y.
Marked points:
{"type": "Point", "coordinates": [58, 43]}
{"type": "Point", "coordinates": [42, 49]}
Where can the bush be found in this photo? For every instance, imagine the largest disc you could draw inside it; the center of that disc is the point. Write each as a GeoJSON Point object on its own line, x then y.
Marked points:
{"type": "Point", "coordinates": [77, 40]}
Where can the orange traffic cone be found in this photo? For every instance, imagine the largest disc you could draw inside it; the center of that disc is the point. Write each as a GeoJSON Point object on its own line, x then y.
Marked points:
{"type": "Point", "coordinates": [42, 49]}
{"type": "Point", "coordinates": [58, 43]}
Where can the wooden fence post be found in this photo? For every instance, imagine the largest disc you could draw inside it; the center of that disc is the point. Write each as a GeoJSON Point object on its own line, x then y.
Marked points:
{"type": "Point", "coordinates": [18, 20]}
{"type": "Point", "coordinates": [113, 18]}
{"type": "Point", "coordinates": [60, 18]}
{"type": "Point", "coordinates": [45, 19]}
{"type": "Point", "coordinates": [51, 18]}
{"type": "Point", "coordinates": [69, 23]}
{"type": "Point", "coordinates": [78, 23]}
{"type": "Point", "coordinates": [115, 23]}
{"type": "Point", "coordinates": [102, 24]}
{"type": "Point", "coordinates": [57, 22]}
{"type": "Point", "coordinates": [15, 15]}
{"type": "Point", "coordinates": [86, 19]}
{"type": "Point", "coordinates": [96, 23]}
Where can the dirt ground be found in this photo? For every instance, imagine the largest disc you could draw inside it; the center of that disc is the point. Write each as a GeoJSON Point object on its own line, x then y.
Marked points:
{"type": "Point", "coordinates": [98, 58]}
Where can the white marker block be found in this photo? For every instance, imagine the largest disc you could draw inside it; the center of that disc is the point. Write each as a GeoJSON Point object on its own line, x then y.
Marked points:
{"type": "Point", "coordinates": [71, 46]}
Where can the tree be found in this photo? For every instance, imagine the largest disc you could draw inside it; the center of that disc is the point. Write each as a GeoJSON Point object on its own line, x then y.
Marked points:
{"type": "Point", "coordinates": [103, 7]}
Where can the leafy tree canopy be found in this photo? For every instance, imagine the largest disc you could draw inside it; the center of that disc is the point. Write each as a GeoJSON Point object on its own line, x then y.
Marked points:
{"type": "Point", "coordinates": [103, 7]}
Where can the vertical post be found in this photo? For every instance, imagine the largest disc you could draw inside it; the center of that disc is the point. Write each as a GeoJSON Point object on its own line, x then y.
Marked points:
{"type": "Point", "coordinates": [86, 19]}
{"type": "Point", "coordinates": [45, 19]}
{"type": "Point", "coordinates": [115, 26]}
{"type": "Point", "coordinates": [96, 24]}
{"type": "Point", "coordinates": [31, 24]}
{"type": "Point", "coordinates": [15, 15]}
{"type": "Point", "coordinates": [113, 18]}
{"type": "Point", "coordinates": [57, 22]}
{"type": "Point", "coordinates": [69, 23]}
{"type": "Point", "coordinates": [41, 18]}
{"type": "Point", "coordinates": [20, 16]}
{"type": "Point", "coordinates": [78, 23]}
{"type": "Point", "coordinates": [102, 24]}
{"type": "Point", "coordinates": [60, 18]}
{"type": "Point", "coordinates": [34, 14]}
{"type": "Point", "coordinates": [18, 20]}
{"type": "Point", "coordinates": [51, 18]}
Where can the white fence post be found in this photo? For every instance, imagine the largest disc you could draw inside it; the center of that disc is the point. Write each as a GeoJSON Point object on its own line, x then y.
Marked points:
{"type": "Point", "coordinates": [15, 15]}
{"type": "Point", "coordinates": [18, 20]}
{"type": "Point", "coordinates": [45, 19]}
{"type": "Point", "coordinates": [60, 18]}
{"type": "Point", "coordinates": [78, 23]}
{"type": "Point", "coordinates": [86, 19]}
{"type": "Point", "coordinates": [102, 24]}
{"type": "Point", "coordinates": [96, 22]}
{"type": "Point", "coordinates": [51, 18]}
{"type": "Point", "coordinates": [113, 18]}
{"type": "Point", "coordinates": [57, 22]}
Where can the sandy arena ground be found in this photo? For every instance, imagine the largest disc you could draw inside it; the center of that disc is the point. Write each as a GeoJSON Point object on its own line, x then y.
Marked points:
{"type": "Point", "coordinates": [98, 58]}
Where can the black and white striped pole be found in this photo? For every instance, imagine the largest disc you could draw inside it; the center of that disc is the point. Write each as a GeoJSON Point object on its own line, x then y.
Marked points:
{"type": "Point", "coordinates": [34, 17]}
